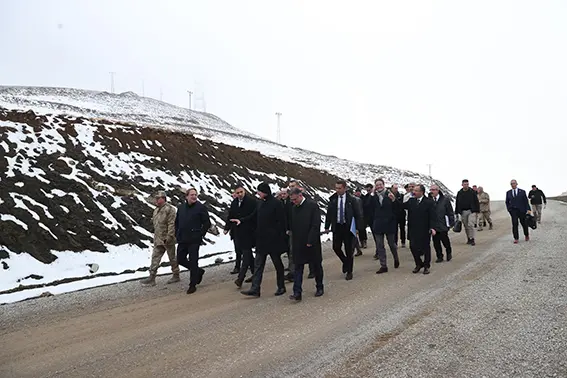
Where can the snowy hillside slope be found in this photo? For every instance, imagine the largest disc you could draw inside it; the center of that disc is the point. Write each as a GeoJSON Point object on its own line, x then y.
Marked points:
{"type": "Point", "coordinates": [129, 107]}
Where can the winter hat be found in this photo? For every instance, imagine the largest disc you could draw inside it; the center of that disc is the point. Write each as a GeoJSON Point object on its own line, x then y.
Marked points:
{"type": "Point", "coordinates": [264, 188]}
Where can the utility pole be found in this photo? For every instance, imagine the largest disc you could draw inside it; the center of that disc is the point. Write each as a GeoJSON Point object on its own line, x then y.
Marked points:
{"type": "Point", "coordinates": [190, 103]}
{"type": "Point", "coordinates": [278, 132]}
{"type": "Point", "coordinates": [429, 165]}
{"type": "Point", "coordinates": [112, 81]}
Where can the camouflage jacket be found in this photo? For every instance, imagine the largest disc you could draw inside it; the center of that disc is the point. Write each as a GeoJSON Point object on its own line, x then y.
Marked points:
{"type": "Point", "coordinates": [484, 201]}
{"type": "Point", "coordinates": [164, 224]}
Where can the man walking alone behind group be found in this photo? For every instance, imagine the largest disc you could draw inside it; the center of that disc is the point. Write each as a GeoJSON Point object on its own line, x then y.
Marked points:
{"type": "Point", "coordinates": [444, 220]}
{"type": "Point", "coordinates": [191, 225]}
{"type": "Point", "coordinates": [518, 206]}
{"type": "Point", "coordinates": [467, 207]}
{"type": "Point", "coordinates": [163, 220]}
{"type": "Point", "coordinates": [306, 238]}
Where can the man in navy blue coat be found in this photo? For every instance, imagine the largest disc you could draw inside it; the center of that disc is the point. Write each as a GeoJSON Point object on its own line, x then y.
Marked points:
{"type": "Point", "coordinates": [518, 206]}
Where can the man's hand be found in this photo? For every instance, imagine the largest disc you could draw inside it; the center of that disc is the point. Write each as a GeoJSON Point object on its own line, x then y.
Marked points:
{"type": "Point", "coordinates": [391, 195]}
{"type": "Point", "coordinates": [225, 232]}
{"type": "Point", "coordinates": [309, 245]}
{"type": "Point", "coordinates": [433, 232]}
{"type": "Point", "coordinates": [237, 221]}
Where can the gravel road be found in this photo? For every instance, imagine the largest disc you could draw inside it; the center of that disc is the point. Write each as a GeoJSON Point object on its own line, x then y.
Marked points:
{"type": "Point", "coordinates": [496, 310]}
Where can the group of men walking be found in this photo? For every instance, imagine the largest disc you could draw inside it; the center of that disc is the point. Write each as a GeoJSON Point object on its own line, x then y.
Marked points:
{"type": "Point", "coordinates": [290, 222]}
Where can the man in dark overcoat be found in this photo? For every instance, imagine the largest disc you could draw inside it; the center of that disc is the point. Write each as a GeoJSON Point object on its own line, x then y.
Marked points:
{"type": "Point", "coordinates": [306, 238]}
{"type": "Point", "coordinates": [270, 240]}
{"type": "Point", "coordinates": [421, 226]}
{"type": "Point", "coordinates": [241, 222]}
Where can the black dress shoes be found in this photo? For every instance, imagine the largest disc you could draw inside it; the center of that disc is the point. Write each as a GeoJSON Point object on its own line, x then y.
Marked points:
{"type": "Point", "coordinates": [248, 280]}
{"type": "Point", "coordinates": [201, 274]}
{"type": "Point", "coordinates": [348, 276]}
{"type": "Point", "coordinates": [235, 271]}
{"type": "Point", "coordinates": [449, 257]}
{"type": "Point", "coordinates": [382, 270]}
{"type": "Point", "coordinates": [396, 264]}
{"type": "Point", "coordinates": [250, 293]}
{"type": "Point", "coordinates": [417, 269]}
{"type": "Point", "coordinates": [238, 283]}
{"type": "Point", "coordinates": [426, 271]}
{"type": "Point", "coordinates": [311, 275]}
{"type": "Point", "coordinates": [319, 292]}
{"type": "Point", "coordinates": [295, 297]}
{"type": "Point", "coordinates": [191, 290]}
{"type": "Point", "coordinates": [280, 291]}
{"type": "Point", "coordinates": [439, 260]}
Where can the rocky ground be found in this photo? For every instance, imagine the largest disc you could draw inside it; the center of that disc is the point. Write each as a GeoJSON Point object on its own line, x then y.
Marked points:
{"type": "Point", "coordinates": [496, 310]}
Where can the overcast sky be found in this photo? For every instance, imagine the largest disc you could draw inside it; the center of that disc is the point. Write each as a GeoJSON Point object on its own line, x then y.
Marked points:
{"type": "Point", "coordinates": [478, 89]}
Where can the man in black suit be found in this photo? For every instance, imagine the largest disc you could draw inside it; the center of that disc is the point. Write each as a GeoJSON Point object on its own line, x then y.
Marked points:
{"type": "Point", "coordinates": [241, 222]}
{"type": "Point", "coordinates": [288, 206]}
{"type": "Point", "coordinates": [306, 236]}
{"type": "Point", "coordinates": [421, 225]}
{"type": "Point", "coordinates": [401, 215]}
{"type": "Point", "coordinates": [270, 240]}
{"type": "Point", "coordinates": [444, 220]}
{"type": "Point", "coordinates": [518, 206]}
{"type": "Point", "coordinates": [341, 212]}
{"type": "Point", "coordinates": [367, 208]}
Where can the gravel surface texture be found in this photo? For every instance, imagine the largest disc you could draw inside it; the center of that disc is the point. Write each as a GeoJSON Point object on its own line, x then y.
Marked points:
{"type": "Point", "coordinates": [496, 310]}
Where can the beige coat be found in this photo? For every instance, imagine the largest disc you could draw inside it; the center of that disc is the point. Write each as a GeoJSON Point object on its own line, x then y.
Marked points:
{"type": "Point", "coordinates": [484, 201]}
{"type": "Point", "coordinates": [164, 224]}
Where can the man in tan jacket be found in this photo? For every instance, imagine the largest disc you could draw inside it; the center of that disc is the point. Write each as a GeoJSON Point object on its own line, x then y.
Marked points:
{"type": "Point", "coordinates": [484, 216]}
{"type": "Point", "coordinates": [164, 239]}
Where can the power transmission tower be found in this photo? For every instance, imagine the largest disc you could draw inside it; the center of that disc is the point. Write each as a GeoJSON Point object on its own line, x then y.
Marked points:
{"type": "Point", "coordinates": [190, 103]}
{"type": "Point", "coordinates": [112, 81]}
{"type": "Point", "coordinates": [278, 132]}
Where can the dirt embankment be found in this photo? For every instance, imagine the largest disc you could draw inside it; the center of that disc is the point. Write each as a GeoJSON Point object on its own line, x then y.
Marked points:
{"type": "Point", "coordinates": [76, 217]}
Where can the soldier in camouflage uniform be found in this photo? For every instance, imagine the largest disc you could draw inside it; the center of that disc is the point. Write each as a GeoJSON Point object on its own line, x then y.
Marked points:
{"type": "Point", "coordinates": [164, 239]}
{"type": "Point", "coordinates": [484, 215]}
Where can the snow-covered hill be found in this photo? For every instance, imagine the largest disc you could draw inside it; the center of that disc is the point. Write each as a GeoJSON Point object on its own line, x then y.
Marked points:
{"type": "Point", "coordinates": [129, 107]}
{"type": "Point", "coordinates": [76, 191]}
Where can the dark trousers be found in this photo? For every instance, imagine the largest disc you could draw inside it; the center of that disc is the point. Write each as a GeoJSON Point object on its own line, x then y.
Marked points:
{"type": "Point", "coordinates": [343, 237]}
{"type": "Point", "coordinates": [442, 237]}
{"type": "Point", "coordinates": [316, 268]}
{"type": "Point", "coordinates": [421, 248]}
{"type": "Point", "coordinates": [247, 263]}
{"type": "Point", "coordinates": [402, 231]}
{"type": "Point", "coordinates": [185, 250]}
{"type": "Point", "coordinates": [517, 215]}
{"type": "Point", "coordinates": [260, 264]}
{"type": "Point", "coordinates": [238, 252]}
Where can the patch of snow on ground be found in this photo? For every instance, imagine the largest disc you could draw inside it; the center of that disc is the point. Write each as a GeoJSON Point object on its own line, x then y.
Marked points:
{"type": "Point", "coordinates": [9, 217]}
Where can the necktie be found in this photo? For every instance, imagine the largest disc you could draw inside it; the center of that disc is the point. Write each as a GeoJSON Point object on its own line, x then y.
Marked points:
{"type": "Point", "coordinates": [239, 203]}
{"type": "Point", "coordinates": [435, 199]}
{"type": "Point", "coordinates": [341, 211]}
{"type": "Point", "coordinates": [514, 193]}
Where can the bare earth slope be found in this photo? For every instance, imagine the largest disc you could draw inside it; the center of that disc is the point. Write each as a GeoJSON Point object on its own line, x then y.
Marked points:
{"type": "Point", "coordinates": [496, 310]}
